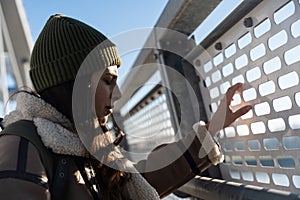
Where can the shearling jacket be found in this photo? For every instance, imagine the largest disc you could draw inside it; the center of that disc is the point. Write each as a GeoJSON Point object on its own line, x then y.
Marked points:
{"type": "Point", "coordinates": [154, 182]}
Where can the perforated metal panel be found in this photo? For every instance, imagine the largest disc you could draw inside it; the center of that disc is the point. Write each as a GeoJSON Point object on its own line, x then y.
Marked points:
{"type": "Point", "coordinates": [149, 125]}
{"type": "Point", "coordinates": [263, 51]}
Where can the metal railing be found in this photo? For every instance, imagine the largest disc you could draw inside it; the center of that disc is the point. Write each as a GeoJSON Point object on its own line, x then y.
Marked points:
{"type": "Point", "coordinates": [216, 189]}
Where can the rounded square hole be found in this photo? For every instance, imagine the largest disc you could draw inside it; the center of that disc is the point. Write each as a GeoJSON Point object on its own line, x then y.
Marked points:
{"type": "Point", "coordinates": [230, 51]}
{"type": "Point", "coordinates": [249, 94]}
{"type": "Point", "coordinates": [257, 52]}
{"type": "Point", "coordinates": [247, 176]}
{"type": "Point", "coordinates": [262, 109]}
{"type": "Point", "coordinates": [254, 145]}
{"type": "Point", "coordinates": [262, 177]}
{"type": "Point", "coordinates": [288, 80]}
{"type": "Point", "coordinates": [229, 132]}
{"type": "Point", "coordinates": [242, 130]}
{"type": "Point", "coordinates": [214, 92]}
{"type": "Point", "coordinates": [282, 103]}
{"type": "Point", "coordinates": [258, 128]}
{"type": "Point", "coordinates": [286, 162]}
{"type": "Point", "coordinates": [239, 146]}
{"type": "Point", "coordinates": [227, 159]}
{"type": "Point", "coordinates": [213, 107]}
{"type": "Point", "coordinates": [251, 160]}
{"type": "Point", "coordinates": [276, 125]}
{"type": "Point", "coordinates": [280, 179]}
{"type": "Point", "coordinates": [218, 59]}
{"type": "Point", "coordinates": [266, 161]}
{"type": "Point", "coordinates": [296, 180]}
{"type": "Point", "coordinates": [207, 81]}
{"type": "Point", "coordinates": [235, 174]}
{"type": "Point", "coordinates": [272, 65]}
{"type": "Point", "coordinates": [253, 74]}
{"type": "Point", "coordinates": [216, 76]}
{"type": "Point", "coordinates": [238, 79]}
{"type": "Point", "coordinates": [291, 56]}
{"type": "Point", "coordinates": [291, 142]}
{"type": "Point", "coordinates": [237, 160]}
{"type": "Point", "coordinates": [266, 88]}
{"type": "Point", "coordinates": [271, 144]}
{"type": "Point", "coordinates": [284, 12]}
{"type": "Point", "coordinates": [297, 98]}
{"type": "Point", "coordinates": [295, 29]}
{"type": "Point", "coordinates": [262, 28]}
{"type": "Point", "coordinates": [244, 40]}
{"type": "Point", "coordinates": [241, 62]}
{"type": "Point", "coordinates": [207, 66]}
{"type": "Point", "coordinates": [224, 87]}
{"type": "Point", "coordinates": [294, 121]}
{"type": "Point", "coordinates": [227, 146]}
{"type": "Point", "coordinates": [278, 40]}
{"type": "Point", "coordinates": [227, 69]}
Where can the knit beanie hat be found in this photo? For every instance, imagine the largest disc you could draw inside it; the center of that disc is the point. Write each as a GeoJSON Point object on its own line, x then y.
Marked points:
{"type": "Point", "coordinates": [62, 46]}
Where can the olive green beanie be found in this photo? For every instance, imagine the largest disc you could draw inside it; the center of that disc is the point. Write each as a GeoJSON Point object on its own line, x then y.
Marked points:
{"type": "Point", "coordinates": [62, 46]}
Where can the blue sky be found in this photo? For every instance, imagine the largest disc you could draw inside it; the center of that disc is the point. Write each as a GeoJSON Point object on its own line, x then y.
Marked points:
{"type": "Point", "coordinates": [109, 17]}
{"type": "Point", "coordinates": [114, 17]}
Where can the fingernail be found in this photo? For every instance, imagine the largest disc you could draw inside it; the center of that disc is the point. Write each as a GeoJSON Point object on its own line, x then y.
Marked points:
{"type": "Point", "coordinates": [247, 108]}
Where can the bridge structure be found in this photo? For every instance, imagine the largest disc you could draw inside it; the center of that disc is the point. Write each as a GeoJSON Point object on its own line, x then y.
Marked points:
{"type": "Point", "coordinates": [258, 44]}
{"type": "Point", "coordinates": [15, 47]}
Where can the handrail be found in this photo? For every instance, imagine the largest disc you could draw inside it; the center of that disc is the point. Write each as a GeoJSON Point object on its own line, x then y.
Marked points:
{"type": "Point", "coordinates": [216, 189]}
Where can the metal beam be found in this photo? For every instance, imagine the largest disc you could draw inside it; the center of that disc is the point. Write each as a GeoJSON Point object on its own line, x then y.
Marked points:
{"type": "Point", "coordinates": [179, 15]}
{"type": "Point", "coordinates": [215, 189]}
{"type": "Point", "coordinates": [17, 39]}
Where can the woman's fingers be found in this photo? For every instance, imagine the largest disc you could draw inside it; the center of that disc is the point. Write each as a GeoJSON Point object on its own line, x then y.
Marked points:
{"type": "Point", "coordinates": [224, 116]}
{"type": "Point", "coordinates": [232, 90]}
{"type": "Point", "coordinates": [240, 112]}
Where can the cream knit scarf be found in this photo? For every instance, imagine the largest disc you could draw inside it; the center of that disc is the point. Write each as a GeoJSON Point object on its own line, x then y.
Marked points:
{"type": "Point", "coordinates": [51, 127]}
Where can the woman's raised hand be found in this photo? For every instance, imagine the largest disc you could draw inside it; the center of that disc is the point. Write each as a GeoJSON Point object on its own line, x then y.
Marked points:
{"type": "Point", "coordinates": [224, 115]}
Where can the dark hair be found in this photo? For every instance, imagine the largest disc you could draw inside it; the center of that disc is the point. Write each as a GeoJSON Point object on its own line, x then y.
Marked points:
{"type": "Point", "coordinates": [110, 179]}
{"type": "Point", "coordinates": [60, 97]}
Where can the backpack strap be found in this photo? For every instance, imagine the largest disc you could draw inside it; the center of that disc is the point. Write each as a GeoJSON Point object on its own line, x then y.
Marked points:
{"type": "Point", "coordinates": [56, 166]}
{"type": "Point", "coordinates": [27, 130]}
{"type": "Point", "coordinates": [1, 126]}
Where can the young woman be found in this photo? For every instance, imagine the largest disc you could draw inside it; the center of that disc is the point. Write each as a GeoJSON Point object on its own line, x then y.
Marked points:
{"type": "Point", "coordinates": [55, 145]}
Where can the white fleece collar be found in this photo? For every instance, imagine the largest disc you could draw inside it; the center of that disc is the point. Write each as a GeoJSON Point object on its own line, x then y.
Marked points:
{"type": "Point", "coordinates": [30, 106]}
{"type": "Point", "coordinates": [50, 124]}
{"type": "Point", "coordinates": [51, 127]}
{"type": "Point", "coordinates": [59, 139]}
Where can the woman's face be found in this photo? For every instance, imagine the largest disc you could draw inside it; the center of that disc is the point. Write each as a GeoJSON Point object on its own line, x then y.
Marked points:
{"type": "Point", "coordinates": [106, 92]}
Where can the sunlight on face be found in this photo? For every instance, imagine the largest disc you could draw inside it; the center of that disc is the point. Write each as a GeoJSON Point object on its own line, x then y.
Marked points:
{"type": "Point", "coordinates": [104, 86]}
